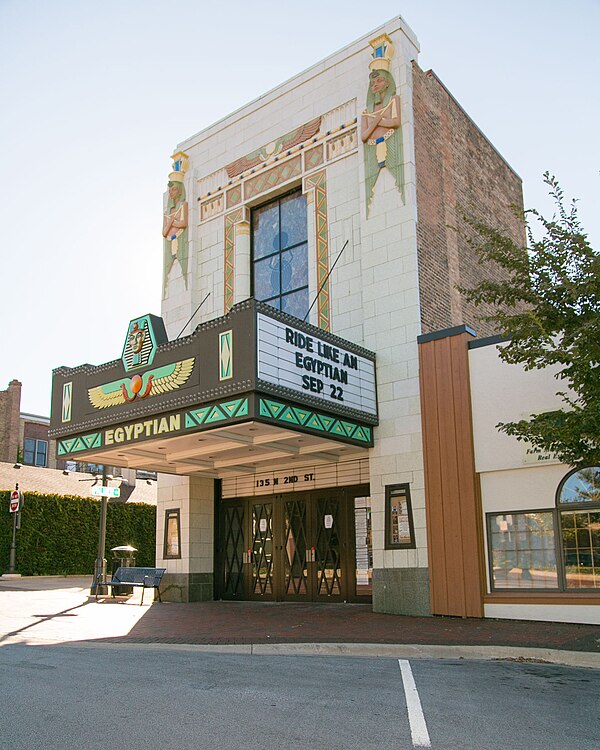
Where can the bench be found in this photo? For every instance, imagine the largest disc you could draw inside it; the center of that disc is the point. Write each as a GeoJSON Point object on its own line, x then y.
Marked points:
{"type": "Point", "coordinates": [145, 578]}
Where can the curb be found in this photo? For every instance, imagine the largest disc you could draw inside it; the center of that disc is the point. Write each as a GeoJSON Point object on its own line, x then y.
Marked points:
{"type": "Point", "coordinates": [363, 650]}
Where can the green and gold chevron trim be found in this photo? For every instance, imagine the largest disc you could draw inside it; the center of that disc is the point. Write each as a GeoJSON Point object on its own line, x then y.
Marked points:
{"type": "Point", "coordinates": [216, 413]}
{"type": "Point", "coordinates": [315, 421]}
{"type": "Point", "coordinates": [83, 443]}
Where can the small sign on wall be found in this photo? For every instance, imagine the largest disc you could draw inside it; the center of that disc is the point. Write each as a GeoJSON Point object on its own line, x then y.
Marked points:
{"type": "Point", "coordinates": [532, 458]}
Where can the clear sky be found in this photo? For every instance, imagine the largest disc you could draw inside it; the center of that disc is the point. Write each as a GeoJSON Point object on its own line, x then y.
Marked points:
{"type": "Point", "coordinates": [96, 95]}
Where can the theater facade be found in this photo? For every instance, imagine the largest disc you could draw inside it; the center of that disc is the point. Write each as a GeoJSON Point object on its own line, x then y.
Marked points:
{"type": "Point", "coordinates": [306, 393]}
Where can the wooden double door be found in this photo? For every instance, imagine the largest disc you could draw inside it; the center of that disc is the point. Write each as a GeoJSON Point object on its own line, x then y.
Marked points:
{"type": "Point", "coordinates": [297, 546]}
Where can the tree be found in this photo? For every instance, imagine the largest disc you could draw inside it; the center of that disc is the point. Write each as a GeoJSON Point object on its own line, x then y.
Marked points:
{"type": "Point", "coordinates": [548, 307]}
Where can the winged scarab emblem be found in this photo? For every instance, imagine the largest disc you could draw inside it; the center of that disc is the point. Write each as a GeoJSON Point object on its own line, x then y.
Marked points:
{"type": "Point", "coordinates": [151, 383]}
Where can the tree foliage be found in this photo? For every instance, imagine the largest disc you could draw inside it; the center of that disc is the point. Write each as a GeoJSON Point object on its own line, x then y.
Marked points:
{"type": "Point", "coordinates": [548, 307]}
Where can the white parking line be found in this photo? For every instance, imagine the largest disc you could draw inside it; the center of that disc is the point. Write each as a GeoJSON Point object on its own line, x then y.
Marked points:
{"type": "Point", "coordinates": [416, 719]}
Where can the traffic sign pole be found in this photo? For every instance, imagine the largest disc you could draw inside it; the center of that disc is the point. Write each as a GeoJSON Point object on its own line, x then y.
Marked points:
{"type": "Point", "coordinates": [15, 509]}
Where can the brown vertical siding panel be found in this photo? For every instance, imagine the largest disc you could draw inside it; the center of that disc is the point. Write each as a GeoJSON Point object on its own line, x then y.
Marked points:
{"type": "Point", "coordinates": [433, 479]}
{"type": "Point", "coordinates": [450, 487]}
{"type": "Point", "coordinates": [480, 540]}
{"type": "Point", "coordinates": [467, 491]}
{"type": "Point", "coordinates": [453, 509]}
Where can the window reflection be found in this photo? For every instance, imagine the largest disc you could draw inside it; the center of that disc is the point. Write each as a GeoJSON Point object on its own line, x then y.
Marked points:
{"type": "Point", "coordinates": [581, 486]}
{"type": "Point", "coordinates": [523, 551]}
{"type": "Point", "coordinates": [581, 544]}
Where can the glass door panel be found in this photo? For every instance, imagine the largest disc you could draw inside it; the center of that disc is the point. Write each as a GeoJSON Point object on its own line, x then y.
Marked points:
{"type": "Point", "coordinates": [327, 534]}
{"type": "Point", "coordinates": [295, 550]}
{"type": "Point", "coordinates": [262, 550]}
{"type": "Point", "coordinates": [233, 551]}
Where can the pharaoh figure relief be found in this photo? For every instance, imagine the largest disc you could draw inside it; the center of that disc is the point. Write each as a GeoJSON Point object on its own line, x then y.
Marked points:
{"type": "Point", "coordinates": [175, 221]}
{"type": "Point", "coordinates": [380, 122]}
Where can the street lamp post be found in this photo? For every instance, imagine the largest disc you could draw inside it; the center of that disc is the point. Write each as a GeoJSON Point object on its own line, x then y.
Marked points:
{"type": "Point", "coordinates": [98, 585]}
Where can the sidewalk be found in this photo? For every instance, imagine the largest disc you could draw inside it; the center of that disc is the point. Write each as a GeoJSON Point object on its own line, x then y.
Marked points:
{"type": "Point", "coordinates": [60, 610]}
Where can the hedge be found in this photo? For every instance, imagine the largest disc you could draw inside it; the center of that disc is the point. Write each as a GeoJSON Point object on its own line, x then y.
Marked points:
{"type": "Point", "coordinates": [59, 534]}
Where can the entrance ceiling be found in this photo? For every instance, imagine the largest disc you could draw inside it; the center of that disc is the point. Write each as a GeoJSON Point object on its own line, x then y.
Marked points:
{"type": "Point", "coordinates": [244, 448]}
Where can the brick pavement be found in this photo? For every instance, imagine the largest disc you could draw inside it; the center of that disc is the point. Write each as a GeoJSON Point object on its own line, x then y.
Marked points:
{"type": "Point", "coordinates": [60, 610]}
{"type": "Point", "coordinates": [259, 622]}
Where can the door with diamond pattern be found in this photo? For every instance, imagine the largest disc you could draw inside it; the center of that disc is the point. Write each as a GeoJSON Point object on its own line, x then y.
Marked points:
{"type": "Point", "coordinates": [232, 551]}
{"type": "Point", "coordinates": [329, 545]}
{"type": "Point", "coordinates": [260, 558]}
{"type": "Point", "coordinates": [293, 547]}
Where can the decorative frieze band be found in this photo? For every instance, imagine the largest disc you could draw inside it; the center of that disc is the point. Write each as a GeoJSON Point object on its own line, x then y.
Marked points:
{"type": "Point", "coordinates": [301, 159]}
{"type": "Point", "coordinates": [273, 177]}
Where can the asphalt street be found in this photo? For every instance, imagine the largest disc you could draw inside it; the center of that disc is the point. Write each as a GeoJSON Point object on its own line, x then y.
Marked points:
{"type": "Point", "coordinates": [81, 674]}
{"type": "Point", "coordinates": [126, 697]}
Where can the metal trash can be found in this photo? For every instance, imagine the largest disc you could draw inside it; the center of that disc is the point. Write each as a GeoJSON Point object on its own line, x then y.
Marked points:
{"type": "Point", "coordinates": [123, 557]}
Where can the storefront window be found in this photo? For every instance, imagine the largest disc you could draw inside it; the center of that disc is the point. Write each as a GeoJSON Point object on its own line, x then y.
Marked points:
{"type": "Point", "coordinates": [523, 551]}
{"type": "Point", "coordinates": [280, 254]}
{"type": "Point", "coordinates": [551, 549]}
{"type": "Point", "coordinates": [399, 529]}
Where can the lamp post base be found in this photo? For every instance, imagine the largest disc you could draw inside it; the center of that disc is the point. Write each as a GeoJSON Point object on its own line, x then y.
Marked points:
{"type": "Point", "coordinates": [99, 588]}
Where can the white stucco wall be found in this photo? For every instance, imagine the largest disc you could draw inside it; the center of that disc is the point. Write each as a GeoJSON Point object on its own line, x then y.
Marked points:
{"type": "Point", "coordinates": [513, 479]}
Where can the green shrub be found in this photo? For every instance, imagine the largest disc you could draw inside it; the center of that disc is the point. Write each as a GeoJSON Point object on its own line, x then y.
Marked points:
{"type": "Point", "coordinates": [59, 534]}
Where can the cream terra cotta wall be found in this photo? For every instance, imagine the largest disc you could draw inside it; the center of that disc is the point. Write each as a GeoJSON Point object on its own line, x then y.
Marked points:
{"type": "Point", "coordinates": [374, 287]}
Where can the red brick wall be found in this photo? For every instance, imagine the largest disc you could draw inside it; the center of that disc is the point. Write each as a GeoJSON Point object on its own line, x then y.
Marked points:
{"type": "Point", "coordinates": [458, 173]}
{"type": "Point", "coordinates": [35, 430]}
{"type": "Point", "coordinates": [10, 409]}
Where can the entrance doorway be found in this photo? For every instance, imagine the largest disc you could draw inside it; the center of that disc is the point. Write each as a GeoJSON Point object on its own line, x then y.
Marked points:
{"type": "Point", "coordinates": [301, 546]}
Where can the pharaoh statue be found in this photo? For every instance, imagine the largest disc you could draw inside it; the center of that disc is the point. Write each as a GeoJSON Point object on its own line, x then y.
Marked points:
{"type": "Point", "coordinates": [380, 122]}
{"type": "Point", "coordinates": [175, 221]}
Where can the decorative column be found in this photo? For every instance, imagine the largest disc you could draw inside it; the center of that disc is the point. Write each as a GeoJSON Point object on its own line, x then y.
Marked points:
{"type": "Point", "coordinates": [317, 184]}
{"type": "Point", "coordinates": [236, 264]}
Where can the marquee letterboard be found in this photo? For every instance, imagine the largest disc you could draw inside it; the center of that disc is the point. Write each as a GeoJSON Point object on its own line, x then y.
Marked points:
{"type": "Point", "coordinates": [312, 366]}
